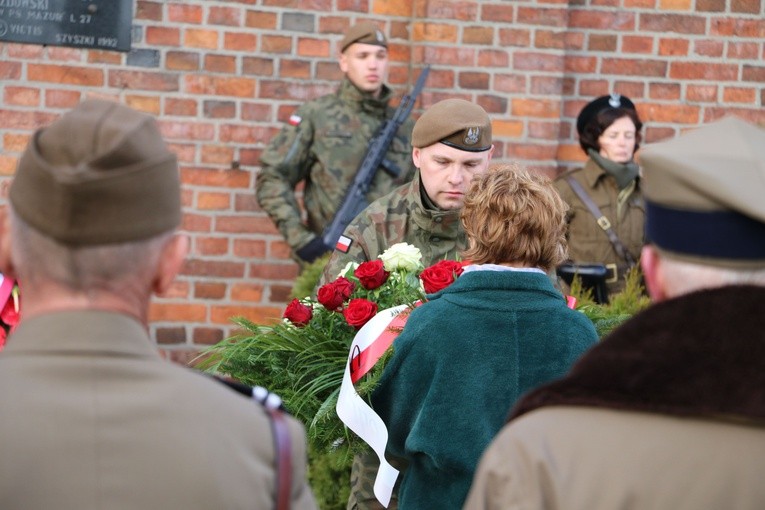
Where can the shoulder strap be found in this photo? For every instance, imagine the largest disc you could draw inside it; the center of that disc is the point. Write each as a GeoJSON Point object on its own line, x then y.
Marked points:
{"type": "Point", "coordinates": [283, 456]}
{"type": "Point", "coordinates": [280, 432]}
{"type": "Point", "coordinates": [602, 221]}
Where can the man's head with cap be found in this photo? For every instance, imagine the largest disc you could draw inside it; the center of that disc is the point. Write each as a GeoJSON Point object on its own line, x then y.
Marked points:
{"type": "Point", "coordinates": [99, 177]}
{"type": "Point", "coordinates": [364, 56]}
{"type": "Point", "coordinates": [451, 143]}
{"type": "Point", "coordinates": [704, 207]}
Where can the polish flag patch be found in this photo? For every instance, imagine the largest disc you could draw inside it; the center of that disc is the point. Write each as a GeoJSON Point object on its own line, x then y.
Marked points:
{"type": "Point", "coordinates": [343, 244]}
{"type": "Point", "coordinates": [295, 120]}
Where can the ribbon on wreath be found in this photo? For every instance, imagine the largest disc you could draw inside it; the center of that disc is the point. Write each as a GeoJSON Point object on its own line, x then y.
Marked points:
{"type": "Point", "coordinates": [371, 342]}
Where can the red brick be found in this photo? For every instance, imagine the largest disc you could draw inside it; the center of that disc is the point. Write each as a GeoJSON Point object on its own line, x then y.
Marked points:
{"type": "Point", "coordinates": [15, 143]}
{"type": "Point", "coordinates": [182, 61]}
{"type": "Point", "coordinates": [207, 336]}
{"type": "Point", "coordinates": [65, 54]}
{"type": "Point", "coordinates": [603, 20]}
{"type": "Point", "coordinates": [220, 63]}
{"type": "Point", "coordinates": [200, 38]}
{"type": "Point", "coordinates": [258, 66]}
{"type": "Point", "coordinates": [737, 27]}
{"type": "Point", "coordinates": [228, 16]}
{"type": "Point", "coordinates": [353, 5]}
{"type": "Point", "coordinates": [750, 6]}
{"type": "Point", "coordinates": [10, 70]}
{"type": "Point", "coordinates": [673, 47]}
{"type": "Point", "coordinates": [167, 336]}
{"type": "Point", "coordinates": [544, 130]}
{"type": "Point", "coordinates": [657, 134]}
{"type": "Point", "coordinates": [708, 48]}
{"type": "Point", "coordinates": [496, 13]}
{"type": "Point", "coordinates": [21, 96]}
{"type": "Point", "coordinates": [68, 75]}
{"type": "Point", "coordinates": [196, 223]}
{"type": "Point", "coordinates": [260, 315]}
{"type": "Point", "coordinates": [311, 47]}
{"type": "Point", "coordinates": [149, 10]}
{"type": "Point", "coordinates": [7, 167]}
{"type": "Point", "coordinates": [632, 89]}
{"type": "Point", "coordinates": [665, 91]}
{"type": "Point", "coordinates": [743, 50]}
{"type": "Point", "coordinates": [753, 73]}
{"type": "Point", "coordinates": [434, 32]}
{"type": "Point", "coordinates": [275, 44]}
{"type": "Point", "coordinates": [285, 271]}
{"type": "Point", "coordinates": [637, 44]}
{"type": "Point", "coordinates": [546, 85]}
{"type": "Point", "coordinates": [26, 120]}
{"type": "Point", "coordinates": [535, 108]}
{"type": "Point", "coordinates": [218, 155]}
{"type": "Point", "coordinates": [221, 269]}
{"type": "Point", "coordinates": [672, 23]}
{"type": "Point", "coordinates": [580, 65]}
{"type": "Point", "coordinates": [602, 42]}
{"type": "Point", "coordinates": [739, 95]}
{"type": "Point", "coordinates": [507, 128]}
{"type": "Point", "coordinates": [163, 36]}
{"type": "Point", "coordinates": [181, 107]}
{"type": "Point", "coordinates": [219, 85]}
{"type": "Point", "coordinates": [139, 80]}
{"type": "Point", "coordinates": [493, 104]}
{"type": "Point", "coordinates": [450, 10]}
{"type": "Point", "coordinates": [25, 51]}
{"type": "Point", "coordinates": [213, 200]}
{"type": "Point", "coordinates": [634, 67]}
{"type": "Point", "coordinates": [471, 80]}
{"type": "Point", "coordinates": [478, 35]}
{"type": "Point", "coordinates": [247, 292]}
{"type": "Point", "coordinates": [255, 111]}
{"type": "Point", "coordinates": [706, 71]}
{"type": "Point", "coordinates": [281, 293]}
{"type": "Point", "coordinates": [181, 13]}
{"type": "Point", "coordinates": [245, 43]}
{"type": "Point", "coordinates": [177, 312]}
{"type": "Point", "coordinates": [211, 246]}
{"type": "Point", "coordinates": [702, 93]}
{"type": "Point", "coordinates": [510, 83]}
{"type": "Point", "coordinates": [216, 178]}
{"type": "Point", "coordinates": [104, 57]}
{"type": "Point", "coordinates": [537, 62]}
{"type": "Point", "coordinates": [177, 130]}
{"type": "Point", "coordinates": [148, 104]}
{"type": "Point", "coordinates": [673, 113]}
{"type": "Point", "coordinates": [532, 151]}
{"type": "Point", "coordinates": [260, 19]}
{"type": "Point", "coordinates": [249, 248]}
{"type": "Point", "coordinates": [710, 5]}
{"type": "Point", "coordinates": [544, 17]}
{"type": "Point", "coordinates": [219, 109]}
{"type": "Point", "coordinates": [514, 37]}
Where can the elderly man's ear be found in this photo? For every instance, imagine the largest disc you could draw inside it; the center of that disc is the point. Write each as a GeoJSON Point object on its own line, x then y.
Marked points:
{"type": "Point", "coordinates": [170, 263]}
{"type": "Point", "coordinates": [650, 262]}
{"type": "Point", "coordinates": [6, 264]}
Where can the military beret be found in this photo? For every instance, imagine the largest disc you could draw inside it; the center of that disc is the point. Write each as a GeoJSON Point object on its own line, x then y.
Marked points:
{"type": "Point", "coordinates": [365, 33]}
{"type": "Point", "coordinates": [456, 123]}
{"type": "Point", "coordinates": [594, 107]}
{"type": "Point", "coordinates": [100, 174]}
{"type": "Point", "coordinates": [704, 194]}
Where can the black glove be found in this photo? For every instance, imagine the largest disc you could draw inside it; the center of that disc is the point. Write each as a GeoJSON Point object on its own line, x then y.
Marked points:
{"type": "Point", "coordinates": [313, 250]}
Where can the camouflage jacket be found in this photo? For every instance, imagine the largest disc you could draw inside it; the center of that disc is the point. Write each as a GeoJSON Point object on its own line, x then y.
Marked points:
{"type": "Point", "coordinates": [587, 242]}
{"type": "Point", "coordinates": [400, 217]}
{"type": "Point", "coordinates": [323, 145]}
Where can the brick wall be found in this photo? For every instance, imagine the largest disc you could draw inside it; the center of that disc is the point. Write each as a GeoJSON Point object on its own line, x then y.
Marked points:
{"type": "Point", "coordinates": [222, 76]}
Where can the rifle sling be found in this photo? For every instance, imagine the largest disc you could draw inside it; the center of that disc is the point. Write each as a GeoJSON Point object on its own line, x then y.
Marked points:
{"type": "Point", "coordinates": [601, 220]}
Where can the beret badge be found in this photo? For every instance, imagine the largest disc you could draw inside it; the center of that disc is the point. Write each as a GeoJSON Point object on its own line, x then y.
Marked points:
{"type": "Point", "coordinates": [472, 135]}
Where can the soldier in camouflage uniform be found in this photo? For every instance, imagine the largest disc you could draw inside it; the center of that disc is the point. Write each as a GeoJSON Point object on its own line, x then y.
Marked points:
{"type": "Point", "coordinates": [324, 143]}
{"type": "Point", "coordinates": [451, 143]}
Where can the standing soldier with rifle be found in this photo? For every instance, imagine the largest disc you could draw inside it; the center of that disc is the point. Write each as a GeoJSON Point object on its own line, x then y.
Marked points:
{"type": "Point", "coordinates": [324, 145]}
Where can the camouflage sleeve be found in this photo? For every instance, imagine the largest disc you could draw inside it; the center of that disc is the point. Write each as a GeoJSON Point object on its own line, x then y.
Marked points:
{"type": "Point", "coordinates": [285, 162]}
{"type": "Point", "coordinates": [357, 251]}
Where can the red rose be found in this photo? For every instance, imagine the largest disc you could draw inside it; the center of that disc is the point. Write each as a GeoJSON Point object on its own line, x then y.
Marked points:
{"type": "Point", "coordinates": [331, 296]}
{"type": "Point", "coordinates": [298, 313]}
{"type": "Point", "coordinates": [345, 287]}
{"type": "Point", "coordinates": [359, 311]}
{"type": "Point", "coordinates": [440, 275]}
{"type": "Point", "coordinates": [371, 274]}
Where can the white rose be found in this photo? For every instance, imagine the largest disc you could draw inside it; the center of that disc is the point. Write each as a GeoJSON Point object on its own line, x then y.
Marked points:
{"type": "Point", "coordinates": [402, 256]}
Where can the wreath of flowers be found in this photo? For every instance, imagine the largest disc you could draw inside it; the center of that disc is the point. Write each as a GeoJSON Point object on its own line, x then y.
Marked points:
{"type": "Point", "coordinates": [303, 357]}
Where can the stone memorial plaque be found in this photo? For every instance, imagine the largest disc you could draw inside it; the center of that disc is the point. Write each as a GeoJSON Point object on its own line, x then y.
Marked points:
{"type": "Point", "coordinates": [100, 24]}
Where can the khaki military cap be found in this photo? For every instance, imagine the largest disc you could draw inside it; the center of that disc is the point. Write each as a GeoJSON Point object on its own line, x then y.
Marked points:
{"type": "Point", "coordinates": [365, 33]}
{"type": "Point", "coordinates": [456, 123]}
{"type": "Point", "coordinates": [100, 174]}
{"type": "Point", "coordinates": [704, 194]}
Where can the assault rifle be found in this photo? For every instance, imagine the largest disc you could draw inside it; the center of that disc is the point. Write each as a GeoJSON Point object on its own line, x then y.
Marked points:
{"type": "Point", "coordinates": [355, 199]}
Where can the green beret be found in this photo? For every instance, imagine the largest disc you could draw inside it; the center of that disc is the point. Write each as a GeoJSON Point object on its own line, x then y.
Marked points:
{"type": "Point", "coordinates": [365, 33]}
{"type": "Point", "coordinates": [456, 123]}
{"type": "Point", "coordinates": [704, 194]}
{"type": "Point", "coordinates": [100, 174]}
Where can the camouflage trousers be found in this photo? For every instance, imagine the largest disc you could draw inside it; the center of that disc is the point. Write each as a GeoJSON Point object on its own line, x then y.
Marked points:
{"type": "Point", "coordinates": [363, 472]}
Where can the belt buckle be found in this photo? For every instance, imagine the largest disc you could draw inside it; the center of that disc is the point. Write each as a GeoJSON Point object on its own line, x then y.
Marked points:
{"type": "Point", "coordinates": [615, 273]}
{"type": "Point", "coordinates": [604, 223]}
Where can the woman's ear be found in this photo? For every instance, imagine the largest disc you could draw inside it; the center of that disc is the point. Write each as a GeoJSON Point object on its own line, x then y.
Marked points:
{"type": "Point", "coordinates": [170, 263]}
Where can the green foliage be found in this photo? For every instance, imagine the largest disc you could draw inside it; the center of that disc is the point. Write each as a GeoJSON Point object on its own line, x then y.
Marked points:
{"type": "Point", "coordinates": [621, 306]}
{"type": "Point", "coordinates": [329, 475]}
{"type": "Point", "coordinates": [305, 283]}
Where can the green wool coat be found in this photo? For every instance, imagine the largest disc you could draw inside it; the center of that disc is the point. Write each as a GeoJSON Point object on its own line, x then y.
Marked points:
{"type": "Point", "coordinates": [459, 365]}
